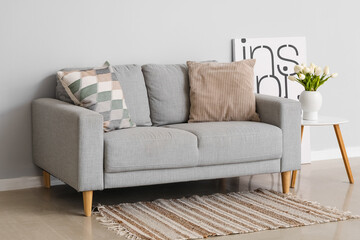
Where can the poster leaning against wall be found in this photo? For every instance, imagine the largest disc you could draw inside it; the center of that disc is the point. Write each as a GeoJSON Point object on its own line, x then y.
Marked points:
{"type": "Point", "coordinates": [275, 61]}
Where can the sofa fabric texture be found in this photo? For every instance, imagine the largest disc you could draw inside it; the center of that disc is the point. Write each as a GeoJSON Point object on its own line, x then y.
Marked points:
{"type": "Point", "coordinates": [285, 114]}
{"type": "Point", "coordinates": [234, 142]}
{"type": "Point", "coordinates": [68, 143]}
{"type": "Point", "coordinates": [60, 92]}
{"type": "Point", "coordinates": [100, 91]}
{"type": "Point", "coordinates": [146, 148]}
{"type": "Point", "coordinates": [159, 176]}
{"type": "Point", "coordinates": [168, 92]}
{"type": "Point", "coordinates": [222, 91]}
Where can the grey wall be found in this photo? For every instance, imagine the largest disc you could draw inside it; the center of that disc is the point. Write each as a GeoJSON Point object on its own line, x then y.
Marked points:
{"type": "Point", "coordinates": [39, 37]}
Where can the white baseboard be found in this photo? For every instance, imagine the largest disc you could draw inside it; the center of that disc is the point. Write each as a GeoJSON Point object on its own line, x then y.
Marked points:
{"type": "Point", "coordinates": [25, 182]}
{"type": "Point", "coordinates": [334, 153]}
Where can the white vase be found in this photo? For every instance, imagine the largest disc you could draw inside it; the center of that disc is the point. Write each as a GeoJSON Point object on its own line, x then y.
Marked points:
{"type": "Point", "coordinates": [310, 103]}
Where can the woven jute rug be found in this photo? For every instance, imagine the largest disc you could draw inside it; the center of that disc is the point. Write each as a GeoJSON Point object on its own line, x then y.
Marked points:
{"type": "Point", "coordinates": [215, 215]}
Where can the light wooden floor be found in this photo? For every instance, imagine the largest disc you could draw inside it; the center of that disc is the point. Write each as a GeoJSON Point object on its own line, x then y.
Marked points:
{"type": "Point", "coordinates": [56, 213]}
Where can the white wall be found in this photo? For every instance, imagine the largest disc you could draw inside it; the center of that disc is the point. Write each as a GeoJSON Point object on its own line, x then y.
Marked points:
{"type": "Point", "coordinates": [39, 37]}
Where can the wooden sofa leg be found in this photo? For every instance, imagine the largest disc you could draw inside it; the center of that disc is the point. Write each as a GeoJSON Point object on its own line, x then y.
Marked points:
{"type": "Point", "coordinates": [46, 177]}
{"type": "Point", "coordinates": [87, 199]}
{"type": "Point", "coordinates": [285, 179]}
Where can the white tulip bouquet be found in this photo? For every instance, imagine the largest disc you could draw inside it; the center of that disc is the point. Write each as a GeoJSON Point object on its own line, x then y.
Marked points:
{"type": "Point", "coordinates": [311, 77]}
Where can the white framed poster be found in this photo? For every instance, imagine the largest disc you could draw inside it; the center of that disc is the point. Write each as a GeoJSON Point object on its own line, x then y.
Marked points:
{"type": "Point", "coordinates": [275, 61]}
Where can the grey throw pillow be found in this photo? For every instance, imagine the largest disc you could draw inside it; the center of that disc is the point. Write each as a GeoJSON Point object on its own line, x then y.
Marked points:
{"type": "Point", "coordinates": [60, 93]}
{"type": "Point", "coordinates": [132, 82]}
{"type": "Point", "coordinates": [168, 92]}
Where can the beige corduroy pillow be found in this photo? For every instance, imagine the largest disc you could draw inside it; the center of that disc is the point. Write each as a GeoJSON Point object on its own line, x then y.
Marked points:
{"type": "Point", "coordinates": [222, 91]}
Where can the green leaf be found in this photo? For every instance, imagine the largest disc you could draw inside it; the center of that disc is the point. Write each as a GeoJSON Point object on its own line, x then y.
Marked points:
{"type": "Point", "coordinates": [307, 88]}
{"type": "Point", "coordinates": [317, 84]}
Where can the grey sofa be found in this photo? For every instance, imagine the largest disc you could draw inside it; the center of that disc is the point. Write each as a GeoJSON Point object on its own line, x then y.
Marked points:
{"type": "Point", "coordinates": [69, 142]}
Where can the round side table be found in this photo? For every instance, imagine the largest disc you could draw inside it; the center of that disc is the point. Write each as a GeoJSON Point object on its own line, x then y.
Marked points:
{"type": "Point", "coordinates": [327, 121]}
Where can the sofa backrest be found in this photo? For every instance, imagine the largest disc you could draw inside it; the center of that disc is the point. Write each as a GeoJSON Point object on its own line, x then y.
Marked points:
{"type": "Point", "coordinates": [168, 92]}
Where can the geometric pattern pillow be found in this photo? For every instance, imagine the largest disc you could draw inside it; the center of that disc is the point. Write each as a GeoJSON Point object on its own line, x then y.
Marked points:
{"type": "Point", "coordinates": [100, 91]}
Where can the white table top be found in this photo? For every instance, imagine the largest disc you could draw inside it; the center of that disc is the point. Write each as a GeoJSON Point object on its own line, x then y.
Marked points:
{"type": "Point", "coordinates": [324, 121]}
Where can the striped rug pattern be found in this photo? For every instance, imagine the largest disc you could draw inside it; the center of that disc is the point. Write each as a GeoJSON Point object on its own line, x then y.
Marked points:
{"type": "Point", "coordinates": [215, 215]}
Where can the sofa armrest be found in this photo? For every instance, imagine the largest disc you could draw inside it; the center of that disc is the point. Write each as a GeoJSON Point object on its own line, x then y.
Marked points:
{"type": "Point", "coordinates": [285, 114]}
{"type": "Point", "coordinates": [68, 143]}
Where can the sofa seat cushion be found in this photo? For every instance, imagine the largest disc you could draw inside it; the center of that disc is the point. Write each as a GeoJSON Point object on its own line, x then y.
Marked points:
{"type": "Point", "coordinates": [234, 142]}
{"type": "Point", "coordinates": [145, 148]}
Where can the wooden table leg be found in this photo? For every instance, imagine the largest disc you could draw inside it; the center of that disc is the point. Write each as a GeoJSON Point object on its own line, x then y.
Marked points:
{"type": "Point", "coordinates": [294, 173]}
{"type": "Point", "coordinates": [343, 152]}
{"type": "Point", "coordinates": [302, 132]}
